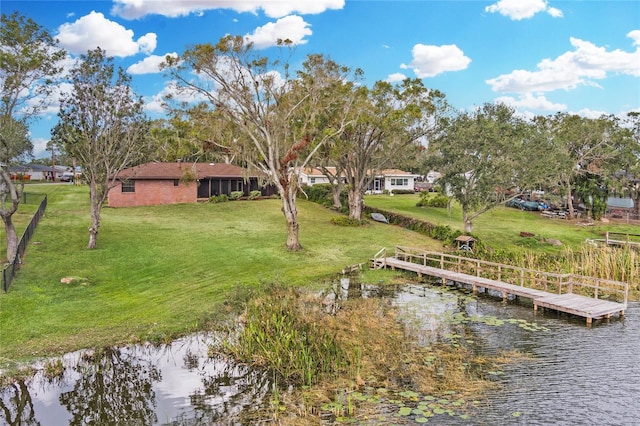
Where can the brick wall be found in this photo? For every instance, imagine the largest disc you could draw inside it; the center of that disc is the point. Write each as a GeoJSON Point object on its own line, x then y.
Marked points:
{"type": "Point", "coordinates": [153, 192]}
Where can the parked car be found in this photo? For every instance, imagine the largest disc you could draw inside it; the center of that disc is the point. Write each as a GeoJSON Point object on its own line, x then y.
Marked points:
{"type": "Point", "coordinates": [66, 177]}
{"type": "Point", "coordinates": [521, 204]}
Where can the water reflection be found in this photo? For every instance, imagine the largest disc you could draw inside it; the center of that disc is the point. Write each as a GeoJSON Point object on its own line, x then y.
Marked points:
{"type": "Point", "coordinates": [138, 385]}
{"type": "Point", "coordinates": [574, 375]}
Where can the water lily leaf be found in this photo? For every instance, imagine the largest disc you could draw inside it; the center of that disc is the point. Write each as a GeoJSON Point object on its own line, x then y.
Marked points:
{"type": "Point", "coordinates": [421, 420]}
{"type": "Point", "coordinates": [516, 414]}
{"type": "Point", "coordinates": [409, 394]}
{"type": "Point", "coordinates": [438, 410]}
{"type": "Point", "coordinates": [404, 411]}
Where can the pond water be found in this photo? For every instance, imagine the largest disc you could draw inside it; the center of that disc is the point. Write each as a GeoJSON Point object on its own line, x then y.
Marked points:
{"type": "Point", "coordinates": [573, 375]}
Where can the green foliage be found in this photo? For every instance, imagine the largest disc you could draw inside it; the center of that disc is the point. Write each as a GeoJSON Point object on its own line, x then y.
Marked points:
{"type": "Point", "coordinates": [235, 195]}
{"type": "Point", "coordinates": [347, 221]}
{"type": "Point", "coordinates": [222, 198]}
{"type": "Point", "coordinates": [281, 333]}
{"type": "Point", "coordinates": [320, 193]}
{"type": "Point", "coordinates": [254, 195]}
{"type": "Point", "coordinates": [428, 199]}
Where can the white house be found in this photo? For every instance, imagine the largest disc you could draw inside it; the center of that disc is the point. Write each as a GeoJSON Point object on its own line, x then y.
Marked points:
{"type": "Point", "coordinates": [392, 180]}
{"type": "Point", "coordinates": [386, 180]}
{"type": "Point", "coordinates": [313, 175]}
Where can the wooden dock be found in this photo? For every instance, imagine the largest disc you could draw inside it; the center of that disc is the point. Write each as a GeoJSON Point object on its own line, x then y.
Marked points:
{"type": "Point", "coordinates": [588, 297]}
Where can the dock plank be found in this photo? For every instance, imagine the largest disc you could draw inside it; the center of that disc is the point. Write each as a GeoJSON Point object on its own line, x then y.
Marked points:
{"type": "Point", "coordinates": [575, 304]}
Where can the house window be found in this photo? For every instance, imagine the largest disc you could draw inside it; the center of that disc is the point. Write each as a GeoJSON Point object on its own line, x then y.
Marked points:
{"type": "Point", "coordinates": [312, 180]}
{"type": "Point", "coordinates": [128, 186]}
{"type": "Point", "coordinates": [399, 181]}
{"type": "Point", "coordinates": [176, 182]}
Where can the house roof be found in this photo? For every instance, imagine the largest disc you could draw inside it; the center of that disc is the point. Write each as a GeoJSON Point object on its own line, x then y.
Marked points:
{"type": "Point", "coordinates": [396, 172]}
{"type": "Point", "coordinates": [177, 170]}
{"type": "Point", "coordinates": [317, 171]}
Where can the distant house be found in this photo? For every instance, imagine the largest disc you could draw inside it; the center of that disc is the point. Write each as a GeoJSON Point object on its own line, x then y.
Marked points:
{"type": "Point", "coordinates": [39, 171]}
{"type": "Point", "coordinates": [389, 179]}
{"type": "Point", "coordinates": [393, 179]}
{"type": "Point", "coordinates": [172, 183]}
{"type": "Point", "coordinates": [314, 175]}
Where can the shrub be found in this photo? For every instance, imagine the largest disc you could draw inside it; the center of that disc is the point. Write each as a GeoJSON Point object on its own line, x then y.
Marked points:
{"type": "Point", "coordinates": [403, 191]}
{"type": "Point", "coordinates": [347, 221]}
{"type": "Point", "coordinates": [435, 200]}
{"type": "Point", "coordinates": [236, 195]}
{"type": "Point", "coordinates": [254, 195]}
{"type": "Point", "coordinates": [218, 198]}
{"type": "Point", "coordinates": [320, 193]}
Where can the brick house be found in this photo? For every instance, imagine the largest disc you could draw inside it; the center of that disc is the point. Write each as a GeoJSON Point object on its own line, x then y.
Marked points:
{"type": "Point", "coordinates": [172, 183]}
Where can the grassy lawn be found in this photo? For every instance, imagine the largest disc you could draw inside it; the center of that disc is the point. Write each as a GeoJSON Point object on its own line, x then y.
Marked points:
{"type": "Point", "coordinates": [163, 271]}
{"type": "Point", "coordinates": [501, 227]}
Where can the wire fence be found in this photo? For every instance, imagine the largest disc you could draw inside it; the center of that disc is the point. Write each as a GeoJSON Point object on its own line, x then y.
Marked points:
{"type": "Point", "coordinates": [10, 270]}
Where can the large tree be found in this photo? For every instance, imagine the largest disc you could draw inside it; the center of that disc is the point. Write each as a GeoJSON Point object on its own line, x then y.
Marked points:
{"type": "Point", "coordinates": [587, 152]}
{"type": "Point", "coordinates": [486, 157]}
{"type": "Point", "coordinates": [282, 118]}
{"type": "Point", "coordinates": [29, 63]}
{"type": "Point", "coordinates": [387, 124]}
{"type": "Point", "coordinates": [103, 126]}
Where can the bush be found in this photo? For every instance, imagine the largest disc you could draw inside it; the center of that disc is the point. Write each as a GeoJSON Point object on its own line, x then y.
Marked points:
{"type": "Point", "coordinates": [347, 221]}
{"type": "Point", "coordinates": [403, 191]}
{"type": "Point", "coordinates": [320, 193]}
{"type": "Point", "coordinates": [254, 195]}
{"type": "Point", "coordinates": [218, 198]}
{"type": "Point", "coordinates": [435, 200]}
{"type": "Point", "coordinates": [236, 195]}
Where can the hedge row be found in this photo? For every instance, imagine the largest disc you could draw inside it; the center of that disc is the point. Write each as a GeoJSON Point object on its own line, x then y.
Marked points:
{"type": "Point", "coordinates": [438, 232]}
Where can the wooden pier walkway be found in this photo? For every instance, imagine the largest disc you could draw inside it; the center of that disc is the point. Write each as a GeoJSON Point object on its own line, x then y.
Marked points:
{"type": "Point", "coordinates": [597, 298]}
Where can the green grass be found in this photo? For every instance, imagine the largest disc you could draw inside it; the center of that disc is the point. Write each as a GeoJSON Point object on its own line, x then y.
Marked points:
{"type": "Point", "coordinates": [500, 228]}
{"type": "Point", "coordinates": [160, 272]}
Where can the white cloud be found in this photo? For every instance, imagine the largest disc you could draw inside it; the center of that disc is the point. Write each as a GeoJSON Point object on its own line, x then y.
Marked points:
{"type": "Point", "coordinates": [589, 113]}
{"type": "Point", "coordinates": [586, 63]}
{"type": "Point", "coordinates": [395, 77]}
{"type": "Point", "coordinates": [133, 9]}
{"type": "Point", "coordinates": [530, 101]}
{"type": "Point", "coordinates": [293, 28]}
{"type": "Point", "coordinates": [150, 64]}
{"type": "Point", "coordinates": [429, 61]}
{"type": "Point", "coordinates": [94, 30]}
{"type": "Point", "coordinates": [40, 147]}
{"type": "Point", "coordinates": [635, 36]}
{"type": "Point", "coordinates": [522, 9]}
{"type": "Point", "coordinates": [156, 102]}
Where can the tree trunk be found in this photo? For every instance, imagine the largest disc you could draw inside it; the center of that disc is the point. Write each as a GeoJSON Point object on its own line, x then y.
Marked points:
{"type": "Point", "coordinates": [570, 201]}
{"type": "Point", "coordinates": [7, 211]}
{"type": "Point", "coordinates": [12, 237]}
{"type": "Point", "coordinates": [468, 223]}
{"type": "Point", "coordinates": [337, 190]}
{"type": "Point", "coordinates": [355, 204]}
{"type": "Point", "coordinates": [96, 206]}
{"type": "Point", "coordinates": [290, 212]}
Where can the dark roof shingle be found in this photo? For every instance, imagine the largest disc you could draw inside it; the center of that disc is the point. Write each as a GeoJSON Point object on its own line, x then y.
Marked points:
{"type": "Point", "coordinates": [177, 170]}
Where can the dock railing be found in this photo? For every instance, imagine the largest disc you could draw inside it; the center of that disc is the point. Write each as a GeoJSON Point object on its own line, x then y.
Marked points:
{"type": "Point", "coordinates": [560, 283]}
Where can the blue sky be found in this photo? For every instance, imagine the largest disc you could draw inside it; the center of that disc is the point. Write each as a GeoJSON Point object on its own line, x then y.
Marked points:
{"type": "Point", "coordinates": [540, 56]}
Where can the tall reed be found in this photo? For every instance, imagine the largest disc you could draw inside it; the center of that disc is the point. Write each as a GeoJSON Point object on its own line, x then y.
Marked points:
{"type": "Point", "coordinates": [283, 333]}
